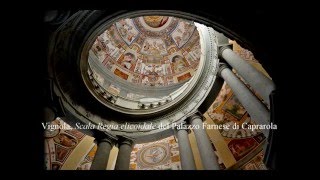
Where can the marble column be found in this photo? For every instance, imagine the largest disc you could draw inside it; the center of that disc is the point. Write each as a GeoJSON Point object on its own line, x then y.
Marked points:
{"type": "Point", "coordinates": [100, 160]}
{"type": "Point", "coordinates": [208, 158]}
{"type": "Point", "coordinates": [186, 155]}
{"type": "Point", "coordinates": [258, 112]}
{"type": "Point", "coordinates": [123, 159]}
{"type": "Point", "coordinates": [256, 79]}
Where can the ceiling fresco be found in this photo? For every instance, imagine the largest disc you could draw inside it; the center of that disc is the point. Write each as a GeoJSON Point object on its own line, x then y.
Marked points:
{"type": "Point", "coordinates": [150, 51]}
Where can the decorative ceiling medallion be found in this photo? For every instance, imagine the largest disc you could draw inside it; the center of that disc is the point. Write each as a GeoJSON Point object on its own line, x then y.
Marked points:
{"type": "Point", "coordinates": [153, 155]}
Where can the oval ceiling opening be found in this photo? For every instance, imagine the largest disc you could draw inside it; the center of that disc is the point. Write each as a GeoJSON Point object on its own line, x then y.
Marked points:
{"type": "Point", "coordinates": [144, 62]}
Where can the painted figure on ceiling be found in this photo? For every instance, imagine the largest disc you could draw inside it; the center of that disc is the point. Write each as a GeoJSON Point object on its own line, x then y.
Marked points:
{"type": "Point", "coordinates": [163, 21]}
{"type": "Point", "coordinates": [178, 63]}
{"type": "Point", "coordinates": [156, 21]}
{"type": "Point", "coordinates": [138, 67]}
{"type": "Point", "coordinates": [99, 51]}
{"type": "Point", "coordinates": [130, 36]}
{"type": "Point", "coordinates": [187, 31]}
{"type": "Point", "coordinates": [126, 31]}
{"type": "Point", "coordinates": [146, 46]}
{"type": "Point", "coordinates": [178, 40]}
{"type": "Point", "coordinates": [128, 60]}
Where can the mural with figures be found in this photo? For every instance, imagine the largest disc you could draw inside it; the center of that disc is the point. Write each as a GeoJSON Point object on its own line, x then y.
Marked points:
{"type": "Point", "coordinates": [158, 155]}
{"type": "Point", "coordinates": [227, 109]}
{"type": "Point", "coordinates": [60, 143]}
{"type": "Point", "coordinates": [150, 50]}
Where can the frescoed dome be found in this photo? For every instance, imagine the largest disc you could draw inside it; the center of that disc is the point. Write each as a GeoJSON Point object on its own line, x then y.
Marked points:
{"type": "Point", "coordinates": [149, 51]}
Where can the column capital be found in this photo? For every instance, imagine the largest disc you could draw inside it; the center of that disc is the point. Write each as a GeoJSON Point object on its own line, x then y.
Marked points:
{"type": "Point", "coordinates": [222, 48]}
{"type": "Point", "coordinates": [183, 123]}
{"type": "Point", "coordinates": [125, 140]}
{"type": "Point", "coordinates": [222, 66]}
{"type": "Point", "coordinates": [106, 139]}
{"type": "Point", "coordinates": [103, 137]}
{"type": "Point", "coordinates": [194, 116]}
